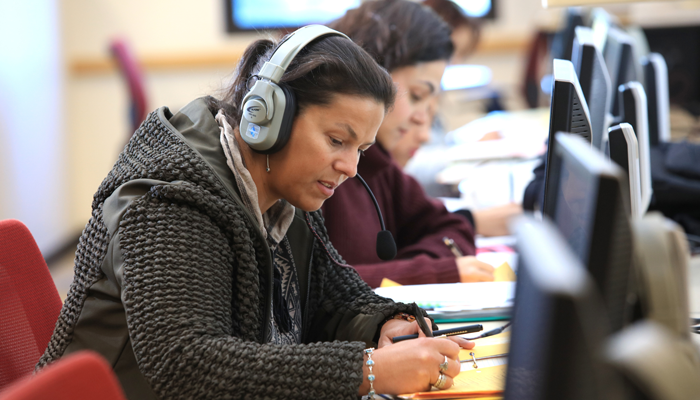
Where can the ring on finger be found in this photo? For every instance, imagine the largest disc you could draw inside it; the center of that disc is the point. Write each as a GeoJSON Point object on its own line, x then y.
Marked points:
{"type": "Point", "coordinates": [443, 366]}
{"type": "Point", "coordinates": [440, 384]}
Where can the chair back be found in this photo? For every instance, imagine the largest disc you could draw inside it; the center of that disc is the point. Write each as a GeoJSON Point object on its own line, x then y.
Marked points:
{"type": "Point", "coordinates": [131, 71]}
{"type": "Point", "coordinates": [29, 302]}
{"type": "Point", "coordinates": [84, 375]}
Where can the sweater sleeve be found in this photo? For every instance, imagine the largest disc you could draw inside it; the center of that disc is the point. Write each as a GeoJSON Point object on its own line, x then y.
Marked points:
{"type": "Point", "coordinates": [419, 224]}
{"type": "Point", "coordinates": [350, 310]}
{"type": "Point", "coordinates": [179, 293]}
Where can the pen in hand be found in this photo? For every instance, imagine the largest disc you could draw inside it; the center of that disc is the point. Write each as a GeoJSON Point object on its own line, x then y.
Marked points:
{"type": "Point", "coordinates": [442, 333]}
{"type": "Point", "coordinates": [452, 246]}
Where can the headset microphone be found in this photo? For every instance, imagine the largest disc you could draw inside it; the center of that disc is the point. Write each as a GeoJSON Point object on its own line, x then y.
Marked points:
{"type": "Point", "coordinates": [386, 247]}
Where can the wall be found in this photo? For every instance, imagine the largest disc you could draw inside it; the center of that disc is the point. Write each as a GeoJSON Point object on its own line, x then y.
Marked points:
{"type": "Point", "coordinates": [97, 103]}
{"type": "Point", "coordinates": [32, 144]}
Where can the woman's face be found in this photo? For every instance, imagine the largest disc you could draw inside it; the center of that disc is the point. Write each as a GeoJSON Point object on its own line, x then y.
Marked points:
{"type": "Point", "coordinates": [323, 150]}
{"type": "Point", "coordinates": [416, 87]}
{"type": "Point", "coordinates": [416, 136]}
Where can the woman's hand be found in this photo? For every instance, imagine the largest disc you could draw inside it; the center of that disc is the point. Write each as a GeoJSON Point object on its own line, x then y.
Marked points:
{"type": "Point", "coordinates": [473, 270]}
{"type": "Point", "coordinates": [412, 365]}
{"type": "Point", "coordinates": [494, 221]}
{"type": "Point", "coordinates": [398, 327]}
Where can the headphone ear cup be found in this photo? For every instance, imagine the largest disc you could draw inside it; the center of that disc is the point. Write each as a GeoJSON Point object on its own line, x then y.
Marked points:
{"type": "Point", "coordinates": [290, 108]}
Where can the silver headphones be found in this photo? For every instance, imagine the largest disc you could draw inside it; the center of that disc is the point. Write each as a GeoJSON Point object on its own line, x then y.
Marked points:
{"type": "Point", "coordinates": [268, 108]}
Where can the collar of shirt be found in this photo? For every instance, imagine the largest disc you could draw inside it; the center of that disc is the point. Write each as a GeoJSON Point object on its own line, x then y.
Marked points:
{"type": "Point", "coordinates": [276, 221]}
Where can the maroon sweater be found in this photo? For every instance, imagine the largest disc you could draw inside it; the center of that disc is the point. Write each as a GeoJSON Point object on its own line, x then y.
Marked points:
{"type": "Point", "coordinates": [417, 222]}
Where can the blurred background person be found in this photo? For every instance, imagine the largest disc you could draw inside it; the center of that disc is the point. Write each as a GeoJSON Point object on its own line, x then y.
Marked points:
{"type": "Point", "coordinates": [414, 45]}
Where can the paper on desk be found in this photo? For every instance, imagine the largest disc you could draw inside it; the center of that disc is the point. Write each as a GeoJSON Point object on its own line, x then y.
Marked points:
{"type": "Point", "coordinates": [495, 347]}
{"type": "Point", "coordinates": [386, 282]}
{"type": "Point", "coordinates": [453, 296]}
{"type": "Point", "coordinates": [478, 383]}
{"type": "Point", "coordinates": [504, 273]}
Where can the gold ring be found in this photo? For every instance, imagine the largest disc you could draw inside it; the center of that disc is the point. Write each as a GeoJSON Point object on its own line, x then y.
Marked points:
{"type": "Point", "coordinates": [440, 384]}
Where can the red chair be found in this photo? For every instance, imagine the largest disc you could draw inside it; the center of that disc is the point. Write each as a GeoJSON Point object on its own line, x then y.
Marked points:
{"type": "Point", "coordinates": [84, 375]}
{"type": "Point", "coordinates": [29, 302]}
{"type": "Point", "coordinates": [131, 71]}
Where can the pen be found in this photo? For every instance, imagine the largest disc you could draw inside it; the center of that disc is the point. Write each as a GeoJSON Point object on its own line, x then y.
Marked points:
{"type": "Point", "coordinates": [452, 246]}
{"type": "Point", "coordinates": [491, 332]}
{"type": "Point", "coordinates": [444, 332]}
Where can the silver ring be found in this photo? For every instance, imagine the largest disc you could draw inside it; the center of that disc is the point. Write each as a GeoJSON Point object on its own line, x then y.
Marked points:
{"type": "Point", "coordinates": [443, 366]}
{"type": "Point", "coordinates": [440, 384]}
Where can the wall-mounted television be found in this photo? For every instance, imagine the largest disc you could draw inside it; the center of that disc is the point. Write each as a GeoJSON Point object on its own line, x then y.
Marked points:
{"type": "Point", "coordinates": [251, 15]}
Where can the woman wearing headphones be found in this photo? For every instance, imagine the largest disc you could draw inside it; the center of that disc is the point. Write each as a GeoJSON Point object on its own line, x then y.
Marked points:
{"type": "Point", "coordinates": [206, 272]}
{"type": "Point", "coordinates": [414, 45]}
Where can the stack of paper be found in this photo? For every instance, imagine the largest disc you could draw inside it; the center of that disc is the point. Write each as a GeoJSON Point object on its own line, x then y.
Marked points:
{"type": "Point", "coordinates": [456, 300]}
{"type": "Point", "coordinates": [484, 382]}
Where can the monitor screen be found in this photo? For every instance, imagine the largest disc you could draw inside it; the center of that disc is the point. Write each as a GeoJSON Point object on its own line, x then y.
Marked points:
{"type": "Point", "coordinates": [244, 15]}
{"type": "Point", "coordinates": [575, 208]}
{"type": "Point", "coordinates": [590, 212]}
{"type": "Point", "coordinates": [279, 14]}
{"type": "Point", "coordinates": [559, 323]}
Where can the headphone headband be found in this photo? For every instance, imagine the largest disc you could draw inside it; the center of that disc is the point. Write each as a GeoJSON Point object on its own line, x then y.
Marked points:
{"type": "Point", "coordinates": [285, 53]}
{"type": "Point", "coordinates": [269, 106]}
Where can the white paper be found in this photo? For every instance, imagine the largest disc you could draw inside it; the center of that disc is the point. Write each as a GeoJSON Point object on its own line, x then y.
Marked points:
{"type": "Point", "coordinates": [454, 296]}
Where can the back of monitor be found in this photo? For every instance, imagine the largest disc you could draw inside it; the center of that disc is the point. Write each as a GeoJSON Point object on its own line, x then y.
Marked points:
{"type": "Point", "coordinates": [658, 364]}
{"type": "Point", "coordinates": [661, 268]}
{"type": "Point", "coordinates": [656, 86]}
{"type": "Point", "coordinates": [624, 151]}
{"type": "Point", "coordinates": [634, 111]}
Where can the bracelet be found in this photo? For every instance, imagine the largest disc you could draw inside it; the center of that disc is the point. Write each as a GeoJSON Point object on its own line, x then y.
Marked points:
{"type": "Point", "coordinates": [402, 315]}
{"type": "Point", "coordinates": [370, 376]}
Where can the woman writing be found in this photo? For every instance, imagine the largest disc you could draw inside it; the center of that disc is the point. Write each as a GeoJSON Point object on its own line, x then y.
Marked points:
{"type": "Point", "coordinates": [206, 272]}
{"type": "Point", "coordinates": [414, 45]}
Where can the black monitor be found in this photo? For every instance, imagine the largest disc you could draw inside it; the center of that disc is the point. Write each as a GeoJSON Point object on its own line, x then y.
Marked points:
{"type": "Point", "coordinates": [590, 210]}
{"type": "Point", "coordinates": [559, 323]}
{"type": "Point", "coordinates": [633, 110]}
{"type": "Point", "coordinates": [564, 38]}
{"type": "Point", "coordinates": [619, 58]}
{"type": "Point", "coordinates": [656, 88]}
{"type": "Point", "coordinates": [568, 112]}
{"type": "Point", "coordinates": [594, 80]}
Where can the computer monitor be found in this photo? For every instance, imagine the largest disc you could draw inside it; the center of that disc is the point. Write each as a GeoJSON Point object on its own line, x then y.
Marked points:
{"type": "Point", "coordinates": [568, 112]}
{"type": "Point", "coordinates": [559, 323]}
{"type": "Point", "coordinates": [633, 110]}
{"type": "Point", "coordinates": [656, 87]}
{"type": "Point", "coordinates": [595, 82]}
{"type": "Point", "coordinates": [589, 209]}
{"type": "Point", "coordinates": [624, 151]}
{"type": "Point", "coordinates": [564, 38]}
{"type": "Point", "coordinates": [619, 58]}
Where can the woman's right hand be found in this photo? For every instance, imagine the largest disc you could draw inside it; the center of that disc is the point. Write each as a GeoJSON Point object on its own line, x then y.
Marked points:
{"type": "Point", "coordinates": [473, 270]}
{"type": "Point", "coordinates": [412, 365]}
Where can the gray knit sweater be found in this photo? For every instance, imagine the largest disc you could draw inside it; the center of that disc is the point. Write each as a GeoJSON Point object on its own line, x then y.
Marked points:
{"type": "Point", "coordinates": [194, 281]}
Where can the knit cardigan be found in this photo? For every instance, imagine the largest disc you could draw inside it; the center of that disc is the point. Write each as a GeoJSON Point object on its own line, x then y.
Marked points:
{"type": "Point", "coordinates": [195, 280]}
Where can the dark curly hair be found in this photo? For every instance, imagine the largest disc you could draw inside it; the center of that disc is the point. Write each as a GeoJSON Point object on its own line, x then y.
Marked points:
{"type": "Point", "coordinates": [397, 33]}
